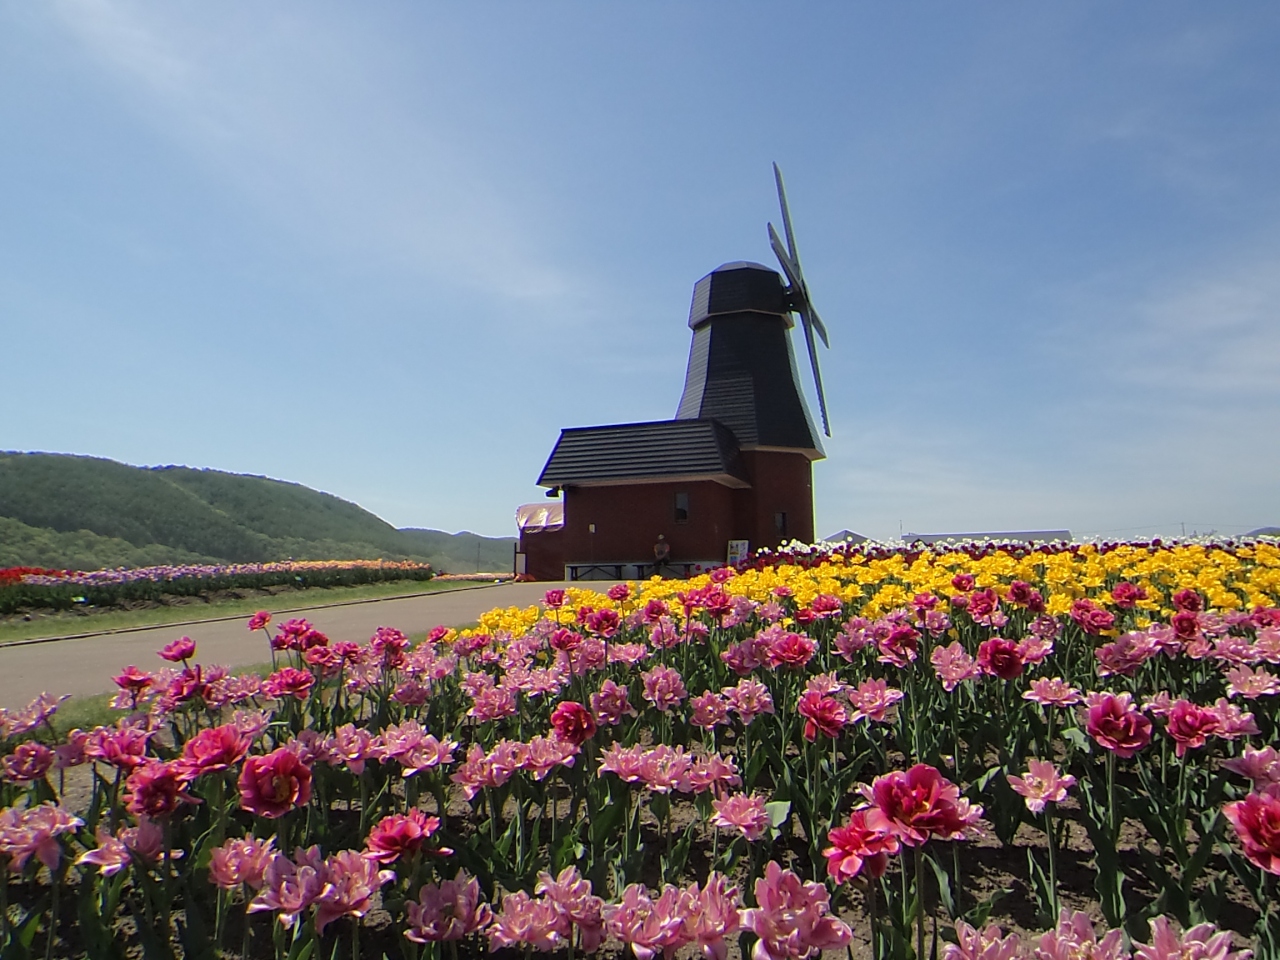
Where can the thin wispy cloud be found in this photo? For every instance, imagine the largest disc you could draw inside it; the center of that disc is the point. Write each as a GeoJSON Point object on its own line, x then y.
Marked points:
{"type": "Point", "coordinates": [366, 175]}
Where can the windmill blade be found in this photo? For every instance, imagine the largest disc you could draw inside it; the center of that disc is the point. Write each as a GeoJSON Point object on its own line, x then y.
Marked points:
{"type": "Point", "coordinates": [807, 323]}
{"type": "Point", "coordinates": [789, 266]}
{"type": "Point", "coordinates": [819, 326]}
{"type": "Point", "coordinates": [799, 290]}
{"type": "Point", "coordinates": [799, 294]}
{"type": "Point", "coordinates": [786, 217]}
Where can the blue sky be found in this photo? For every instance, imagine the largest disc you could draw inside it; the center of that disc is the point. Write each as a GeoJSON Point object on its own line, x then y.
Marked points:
{"type": "Point", "coordinates": [389, 250]}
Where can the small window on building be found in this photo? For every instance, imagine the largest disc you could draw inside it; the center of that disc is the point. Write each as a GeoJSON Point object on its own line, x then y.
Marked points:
{"type": "Point", "coordinates": [682, 507]}
{"type": "Point", "coordinates": [780, 523]}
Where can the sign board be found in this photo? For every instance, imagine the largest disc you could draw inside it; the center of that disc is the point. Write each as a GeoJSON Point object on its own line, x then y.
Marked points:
{"type": "Point", "coordinates": [738, 550]}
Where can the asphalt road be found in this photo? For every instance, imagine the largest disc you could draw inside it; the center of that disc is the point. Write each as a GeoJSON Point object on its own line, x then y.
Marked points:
{"type": "Point", "coordinates": [85, 666]}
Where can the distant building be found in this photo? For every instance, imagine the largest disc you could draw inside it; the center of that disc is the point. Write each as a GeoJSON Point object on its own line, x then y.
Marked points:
{"type": "Point", "coordinates": [845, 536]}
{"type": "Point", "coordinates": [1016, 536]}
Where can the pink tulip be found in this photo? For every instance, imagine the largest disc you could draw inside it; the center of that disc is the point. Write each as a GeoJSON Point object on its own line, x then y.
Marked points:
{"type": "Point", "coordinates": [824, 715]}
{"type": "Point", "coordinates": [610, 704]}
{"type": "Point", "coordinates": [1001, 658]}
{"type": "Point", "coordinates": [749, 699]}
{"type": "Point", "coordinates": [1202, 942]}
{"type": "Point", "coordinates": [289, 888]}
{"type": "Point", "coordinates": [708, 710]}
{"type": "Point", "coordinates": [711, 915]}
{"type": "Point", "coordinates": [711, 772]}
{"type": "Point", "coordinates": [1251, 684]}
{"type": "Point", "coordinates": [214, 749]}
{"type": "Point", "coordinates": [1116, 723]}
{"type": "Point", "coordinates": [987, 944]}
{"type": "Point", "coordinates": [351, 881]}
{"type": "Point", "coordinates": [524, 921]}
{"type": "Point", "coordinates": [918, 804]}
{"type": "Point", "coordinates": [648, 926]}
{"type": "Point", "coordinates": [260, 620]}
{"type": "Point", "coordinates": [412, 747]}
{"type": "Point", "coordinates": [110, 856]}
{"type": "Point", "coordinates": [742, 812]}
{"type": "Point", "coordinates": [899, 645]}
{"type": "Point", "coordinates": [1053, 692]}
{"type": "Point", "coordinates": [34, 831]}
{"type": "Point", "coordinates": [241, 862]}
{"type": "Point", "coordinates": [182, 649]}
{"type": "Point", "coordinates": [29, 761]}
{"type": "Point", "coordinates": [133, 680]}
{"type": "Point", "coordinates": [289, 682]}
{"type": "Point", "coordinates": [449, 910]}
{"type": "Point", "coordinates": [873, 699]}
{"type": "Point", "coordinates": [1256, 820]}
{"type": "Point", "coordinates": [1190, 726]}
{"type": "Point", "coordinates": [273, 784]}
{"type": "Point", "coordinates": [546, 753]}
{"type": "Point", "coordinates": [353, 746]}
{"type": "Point", "coordinates": [572, 722]}
{"type": "Point", "coordinates": [663, 769]}
{"type": "Point", "coordinates": [1074, 938]}
{"type": "Point", "coordinates": [664, 687]}
{"type": "Point", "coordinates": [157, 789]}
{"type": "Point", "coordinates": [791, 650]}
{"type": "Point", "coordinates": [953, 665]}
{"type": "Point", "coordinates": [865, 841]}
{"type": "Point", "coordinates": [792, 918]}
{"type": "Point", "coordinates": [572, 897]}
{"type": "Point", "coordinates": [399, 835]}
{"type": "Point", "coordinates": [1262, 766]}
{"type": "Point", "coordinates": [1042, 785]}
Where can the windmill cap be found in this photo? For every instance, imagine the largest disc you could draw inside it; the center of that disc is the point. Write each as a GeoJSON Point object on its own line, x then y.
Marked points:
{"type": "Point", "coordinates": [739, 287]}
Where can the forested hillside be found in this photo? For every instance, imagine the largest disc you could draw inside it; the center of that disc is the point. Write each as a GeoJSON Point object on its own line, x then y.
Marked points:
{"type": "Point", "coordinates": [86, 512]}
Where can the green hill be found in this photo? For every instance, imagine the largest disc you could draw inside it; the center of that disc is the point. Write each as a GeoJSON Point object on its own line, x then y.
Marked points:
{"type": "Point", "coordinates": [87, 512]}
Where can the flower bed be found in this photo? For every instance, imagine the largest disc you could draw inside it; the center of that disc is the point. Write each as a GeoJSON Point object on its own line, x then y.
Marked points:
{"type": "Point", "coordinates": [819, 750]}
{"type": "Point", "coordinates": [35, 588]}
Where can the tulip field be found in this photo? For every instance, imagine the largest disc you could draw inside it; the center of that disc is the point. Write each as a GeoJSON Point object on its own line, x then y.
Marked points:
{"type": "Point", "coordinates": [35, 588]}
{"type": "Point", "coordinates": [988, 752]}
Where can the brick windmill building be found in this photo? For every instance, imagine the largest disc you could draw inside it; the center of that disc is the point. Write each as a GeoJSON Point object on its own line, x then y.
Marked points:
{"type": "Point", "coordinates": [731, 472]}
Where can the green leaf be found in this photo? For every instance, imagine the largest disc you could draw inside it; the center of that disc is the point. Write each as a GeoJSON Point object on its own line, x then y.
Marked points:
{"type": "Point", "coordinates": [778, 812]}
{"type": "Point", "coordinates": [944, 886]}
{"type": "Point", "coordinates": [981, 913]}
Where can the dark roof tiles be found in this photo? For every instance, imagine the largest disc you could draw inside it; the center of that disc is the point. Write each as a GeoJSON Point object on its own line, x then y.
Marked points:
{"type": "Point", "coordinates": [660, 450]}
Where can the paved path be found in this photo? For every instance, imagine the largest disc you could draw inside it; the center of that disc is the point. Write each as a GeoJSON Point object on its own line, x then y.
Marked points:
{"type": "Point", "coordinates": [86, 665]}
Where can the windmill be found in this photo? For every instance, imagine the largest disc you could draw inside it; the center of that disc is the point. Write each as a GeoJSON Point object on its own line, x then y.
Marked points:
{"type": "Point", "coordinates": [732, 471]}
{"type": "Point", "coordinates": [742, 369]}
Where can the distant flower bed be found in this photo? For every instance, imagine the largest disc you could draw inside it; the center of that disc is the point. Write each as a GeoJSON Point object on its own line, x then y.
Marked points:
{"type": "Point", "coordinates": [33, 587]}
{"type": "Point", "coordinates": [916, 750]}
{"type": "Point", "coordinates": [11, 575]}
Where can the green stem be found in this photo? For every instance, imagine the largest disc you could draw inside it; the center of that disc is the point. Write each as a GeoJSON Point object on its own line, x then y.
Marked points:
{"type": "Point", "coordinates": [871, 914]}
{"type": "Point", "coordinates": [1053, 864]}
{"type": "Point", "coordinates": [1113, 824]}
{"type": "Point", "coordinates": [167, 907]}
{"type": "Point", "coordinates": [919, 858]}
{"type": "Point", "coordinates": [53, 914]}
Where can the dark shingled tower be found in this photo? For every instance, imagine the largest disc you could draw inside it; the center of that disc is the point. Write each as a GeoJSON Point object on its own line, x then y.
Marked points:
{"type": "Point", "coordinates": [742, 370]}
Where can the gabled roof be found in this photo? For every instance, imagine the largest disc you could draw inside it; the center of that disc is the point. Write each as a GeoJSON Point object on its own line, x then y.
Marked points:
{"type": "Point", "coordinates": [656, 452]}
